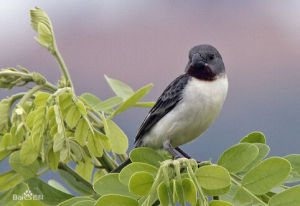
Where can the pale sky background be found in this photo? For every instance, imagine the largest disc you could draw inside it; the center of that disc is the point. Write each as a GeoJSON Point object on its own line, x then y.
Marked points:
{"type": "Point", "coordinates": [143, 41]}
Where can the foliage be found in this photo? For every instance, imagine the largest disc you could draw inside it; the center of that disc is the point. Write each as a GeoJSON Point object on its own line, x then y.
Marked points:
{"type": "Point", "coordinates": [49, 126]}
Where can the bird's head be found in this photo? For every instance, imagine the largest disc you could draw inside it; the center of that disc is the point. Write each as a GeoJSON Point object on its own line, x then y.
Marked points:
{"type": "Point", "coordinates": [205, 63]}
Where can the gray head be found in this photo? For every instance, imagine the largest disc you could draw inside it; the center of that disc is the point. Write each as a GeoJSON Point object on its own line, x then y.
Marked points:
{"type": "Point", "coordinates": [205, 63]}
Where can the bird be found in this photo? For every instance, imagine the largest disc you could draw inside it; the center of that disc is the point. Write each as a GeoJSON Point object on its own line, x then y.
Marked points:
{"type": "Point", "coordinates": [189, 104]}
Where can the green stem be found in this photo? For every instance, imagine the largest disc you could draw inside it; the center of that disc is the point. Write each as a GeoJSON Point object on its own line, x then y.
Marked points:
{"type": "Point", "coordinates": [250, 193]}
{"type": "Point", "coordinates": [43, 171]}
{"type": "Point", "coordinates": [95, 119]}
{"type": "Point", "coordinates": [24, 76]}
{"type": "Point", "coordinates": [192, 175]}
{"type": "Point", "coordinates": [29, 94]}
{"type": "Point", "coordinates": [62, 65]}
{"type": "Point", "coordinates": [122, 157]}
{"type": "Point", "coordinates": [236, 176]}
{"type": "Point", "coordinates": [27, 78]}
{"type": "Point", "coordinates": [69, 170]}
{"type": "Point", "coordinates": [16, 97]}
{"type": "Point", "coordinates": [50, 87]}
{"type": "Point", "coordinates": [11, 148]}
{"type": "Point", "coordinates": [154, 186]}
{"type": "Point", "coordinates": [178, 177]}
{"type": "Point", "coordinates": [107, 162]}
{"type": "Point", "coordinates": [284, 187]}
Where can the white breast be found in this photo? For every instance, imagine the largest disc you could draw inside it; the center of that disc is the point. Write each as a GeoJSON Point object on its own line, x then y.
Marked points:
{"type": "Point", "coordinates": [201, 104]}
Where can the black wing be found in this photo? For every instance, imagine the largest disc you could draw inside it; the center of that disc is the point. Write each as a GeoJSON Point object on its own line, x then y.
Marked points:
{"type": "Point", "coordinates": [165, 103]}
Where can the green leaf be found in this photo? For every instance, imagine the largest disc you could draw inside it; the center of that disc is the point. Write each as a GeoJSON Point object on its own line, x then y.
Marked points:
{"type": "Point", "coordinates": [4, 154]}
{"type": "Point", "coordinates": [134, 167]}
{"type": "Point", "coordinates": [85, 169]}
{"type": "Point", "coordinates": [179, 192]}
{"type": "Point", "coordinates": [268, 174]}
{"type": "Point", "coordinates": [236, 158]}
{"type": "Point", "coordinates": [241, 197]}
{"type": "Point", "coordinates": [85, 203]}
{"type": "Point", "coordinates": [59, 137]}
{"type": "Point", "coordinates": [75, 184]}
{"type": "Point", "coordinates": [219, 203]}
{"type": "Point", "coordinates": [58, 186]}
{"type": "Point", "coordinates": [94, 145]}
{"type": "Point", "coordinates": [45, 36]}
{"type": "Point", "coordinates": [53, 158]}
{"type": "Point", "coordinates": [6, 140]}
{"type": "Point", "coordinates": [133, 99]}
{"type": "Point", "coordinates": [118, 139]}
{"type": "Point", "coordinates": [51, 195]}
{"type": "Point", "coordinates": [27, 171]}
{"type": "Point", "coordinates": [30, 118]}
{"type": "Point", "coordinates": [189, 190]}
{"type": "Point", "coordinates": [294, 160]}
{"type": "Point", "coordinates": [5, 105]}
{"type": "Point", "coordinates": [146, 155]}
{"type": "Point", "coordinates": [174, 192]}
{"type": "Point", "coordinates": [81, 132]}
{"type": "Point", "coordinates": [41, 23]}
{"type": "Point", "coordinates": [144, 104]}
{"type": "Point", "coordinates": [9, 180]}
{"type": "Point", "coordinates": [140, 183]}
{"type": "Point", "coordinates": [73, 116]}
{"type": "Point", "coordinates": [8, 199]}
{"type": "Point", "coordinates": [27, 153]}
{"type": "Point", "coordinates": [81, 108]}
{"type": "Point", "coordinates": [5, 176]}
{"type": "Point", "coordinates": [214, 180]}
{"type": "Point", "coordinates": [73, 200]}
{"type": "Point", "coordinates": [37, 135]}
{"type": "Point", "coordinates": [103, 139]}
{"type": "Point", "coordinates": [110, 184]}
{"type": "Point", "coordinates": [263, 152]}
{"type": "Point", "coordinates": [99, 173]}
{"type": "Point", "coordinates": [77, 152]}
{"type": "Point", "coordinates": [120, 89]}
{"type": "Point", "coordinates": [91, 99]}
{"type": "Point", "coordinates": [41, 98]}
{"type": "Point", "coordinates": [162, 192]}
{"type": "Point", "coordinates": [65, 103]}
{"type": "Point", "coordinates": [254, 137]}
{"type": "Point", "coordinates": [290, 197]}
{"type": "Point", "coordinates": [108, 105]}
{"type": "Point", "coordinates": [116, 200]}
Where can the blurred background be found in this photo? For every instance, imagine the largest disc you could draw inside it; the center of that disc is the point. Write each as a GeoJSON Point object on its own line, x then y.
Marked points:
{"type": "Point", "coordinates": [147, 41]}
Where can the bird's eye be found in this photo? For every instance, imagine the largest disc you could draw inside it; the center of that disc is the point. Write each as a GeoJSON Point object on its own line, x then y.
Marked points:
{"type": "Point", "coordinates": [211, 56]}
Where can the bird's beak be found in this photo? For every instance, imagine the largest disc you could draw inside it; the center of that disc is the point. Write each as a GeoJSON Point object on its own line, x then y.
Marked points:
{"type": "Point", "coordinates": [197, 60]}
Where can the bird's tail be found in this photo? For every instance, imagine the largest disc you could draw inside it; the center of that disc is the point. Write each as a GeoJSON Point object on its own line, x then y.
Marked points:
{"type": "Point", "coordinates": [121, 166]}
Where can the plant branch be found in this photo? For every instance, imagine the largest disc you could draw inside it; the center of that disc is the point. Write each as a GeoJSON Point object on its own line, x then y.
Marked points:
{"type": "Point", "coordinates": [95, 119]}
{"type": "Point", "coordinates": [107, 162]}
{"type": "Point", "coordinates": [27, 78]}
{"type": "Point", "coordinates": [62, 65]}
{"type": "Point", "coordinates": [236, 176]}
{"type": "Point", "coordinates": [11, 148]}
{"type": "Point", "coordinates": [69, 170]}
{"type": "Point", "coordinates": [43, 171]}
{"type": "Point", "coordinates": [15, 97]}
{"type": "Point", "coordinates": [29, 94]}
{"type": "Point", "coordinates": [193, 177]}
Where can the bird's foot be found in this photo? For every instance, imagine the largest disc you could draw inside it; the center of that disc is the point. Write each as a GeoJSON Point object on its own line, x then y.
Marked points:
{"type": "Point", "coordinates": [169, 148]}
{"type": "Point", "coordinates": [183, 153]}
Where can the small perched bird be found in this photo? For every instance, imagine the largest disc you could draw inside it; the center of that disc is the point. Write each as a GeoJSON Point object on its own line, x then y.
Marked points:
{"type": "Point", "coordinates": [189, 105]}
